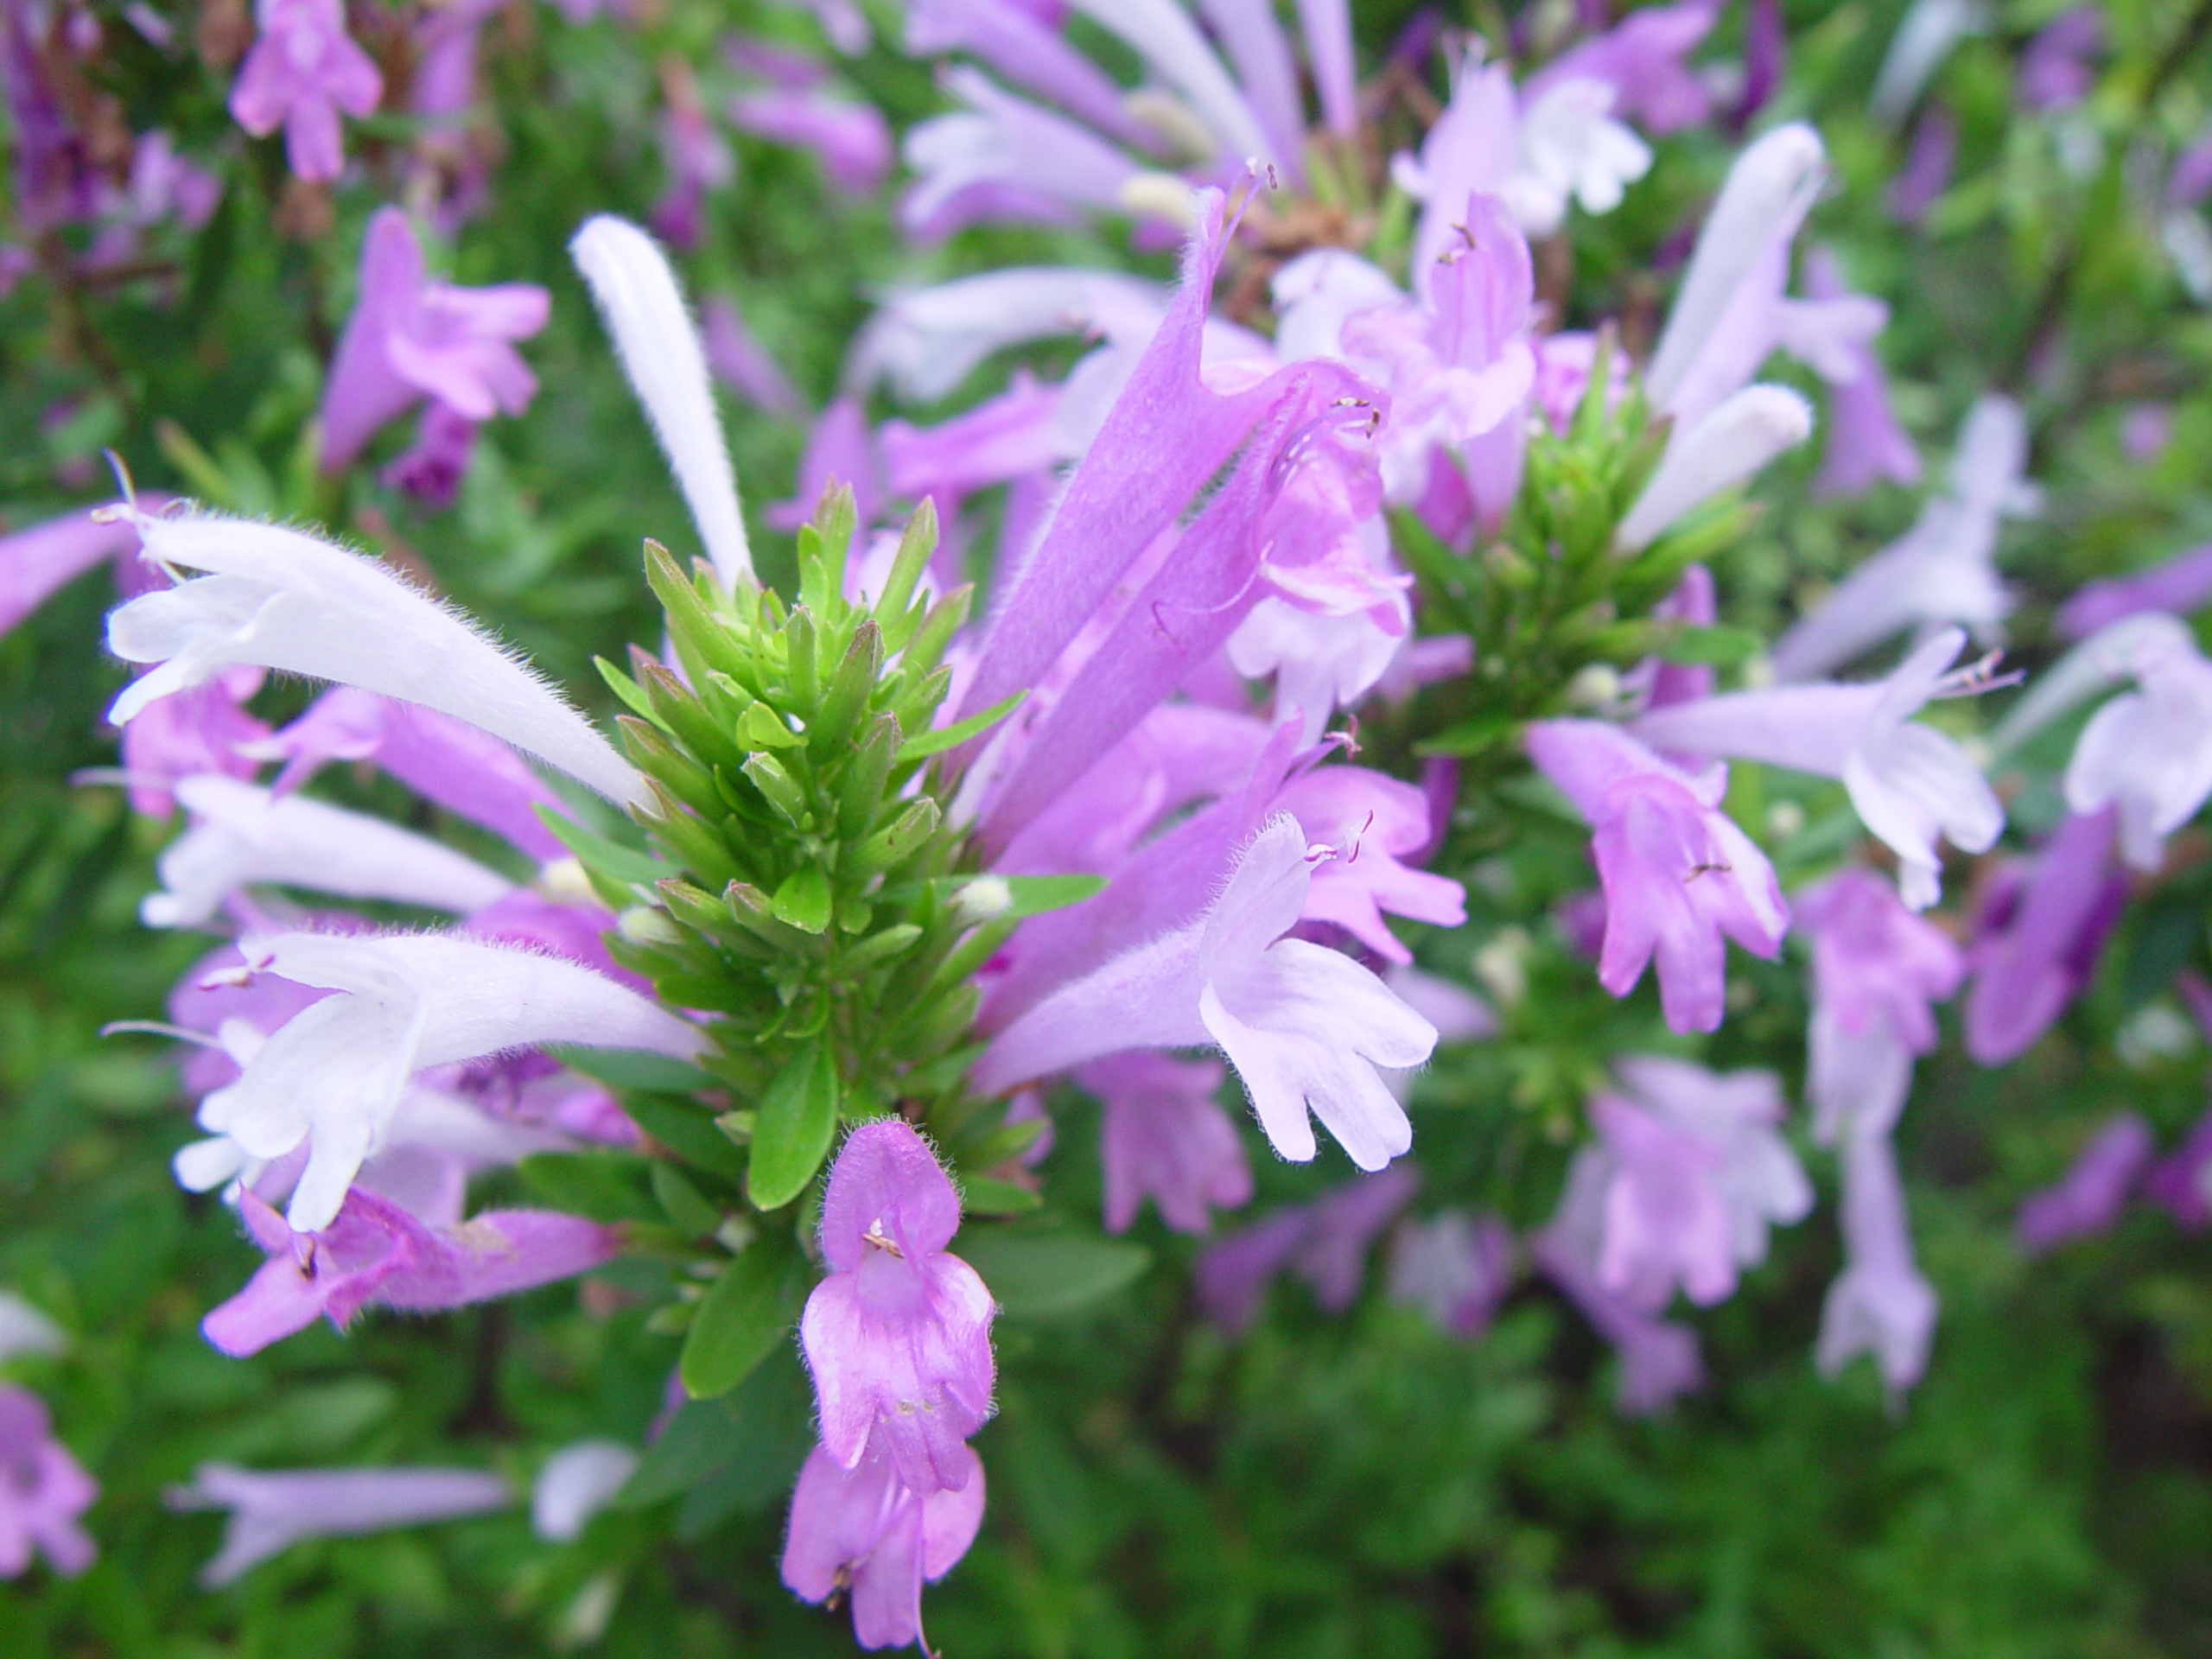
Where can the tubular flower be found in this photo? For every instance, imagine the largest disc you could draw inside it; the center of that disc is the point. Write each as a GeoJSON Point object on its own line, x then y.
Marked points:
{"type": "Point", "coordinates": [42, 1491]}
{"type": "Point", "coordinates": [301, 72]}
{"type": "Point", "coordinates": [272, 1510]}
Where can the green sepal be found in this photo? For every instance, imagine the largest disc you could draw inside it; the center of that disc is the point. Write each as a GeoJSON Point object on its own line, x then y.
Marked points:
{"type": "Point", "coordinates": [922, 744]}
{"type": "Point", "coordinates": [878, 949]}
{"type": "Point", "coordinates": [915, 543]}
{"type": "Point", "coordinates": [633, 697]}
{"type": "Point", "coordinates": [780, 788]}
{"type": "Point", "coordinates": [684, 778]}
{"type": "Point", "coordinates": [846, 699]}
{"type": "Point", "coordinates": [702, 641]}
{"type": "Point", "coordinates": [805, 899]}
{"type": "Point", "coordinates": [696, 846]}
{"type": "Point", "coordinates": [860, 791]}
{"type": "Point", "coordinates": [802, 663]}
{"type": "Point", "coordinates": [889, 847]}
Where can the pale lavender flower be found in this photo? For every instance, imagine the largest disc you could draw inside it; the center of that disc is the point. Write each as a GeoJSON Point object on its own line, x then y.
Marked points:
{"type": "Point", "coordinates": [1164, 1138]}
{"type": "Point", "coordinates": [1925, 36]}
{"type": "Point", "coordinates": [271, 1510]}
{"type": "Point", "coordinates": [278, 599]}
{"type": "Point", "coordinates": [926, 342]}
{"type": "Point", "coordinates": [1864, 442]}
{"type": "Point", "coordinates": [1765, 49]}
{"type": "Point", "coordinates": [24, 1330]}
{"type": "Point", "coordinates": [898, 1335]}
{"type": "Point", "coordinates": [1457, 1266]}
{"type": "Point", "coordinates": [410, 338]}
{"type": "Point", "coordinates": [1342, 1226]}
{"type": "Point", "coordinates": [302, 71]}
{"type": "Point", "coordinates": [1679, 875]}
{"type": "Point", "coordinates": [850, 139]}
{"type": "Point", "coordinates": [242, 836]}
{"type": "Point", "coordinates": [840, 449]}
{"type": "Point", "coordinates": [1235, 1271]}
{"type": "Point", "coordinates": [2146, 431]}
{"type": "Point", "coordinates": [443, 83]}
{"type": "Point", "coordinates": [1880, 1304]}
{"type": "Point", "coordinates": [2055, 72]}
{"type": "Point", "coordinates": [1304, 1026]}
{"type": "Point", "coordinates": [2148, 751]}
{"type": "Point", "coordinates": [375, 1254]}
{"type": "Point", "coordinates": [1379, 820]}
{"type": "Point", "coordinates": [575, 1485]}
{"type": "Point", "coordinates": [1877, 970]}
{"type": "Point", "coordinates": [1695, 1169]}
{"type": "Point", "coordinates": [863, 1531]}
{"type": "Point", "coordinates": [42, 1491]}
{"type": "Point", "coordinates": [1642, 59]}
{"type": "Point", "coordinates": [1942, 571]}
{"type": "Point", "coordinates": [740, 362]}
{"type": "Point", "coordinates": [1718, 452]}
{"type": "Point", "coordinates": [461, 767]}
{"type": "Point", "coordinates": [2039, 936]}
{"type": "Point", "coordinates": [2089, 1198]}
{"type": "Point", "coordinates": [1910, 783]}
{"type": "Point", "coordinates": [57, 176]}
{"type": "Point", "coordinates": [1658, 1359]}
{"type": "Point", "coordinates": [1016, 41]}
{"type": "Point", "coordinates": [697, 157]}
{"type": "Point", "coordinates": [1458, 1013]}
{"type": "Point", "coordinates": [2191, 180]}
{"type": "Point", "coordinates": [333, 1076]}
{"type": "Point", "coordinates": [1003, 156]}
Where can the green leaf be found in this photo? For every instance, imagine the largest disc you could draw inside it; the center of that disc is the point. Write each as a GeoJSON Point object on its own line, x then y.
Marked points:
{"type": "Point", "coordinates": [623, 686]}
{"type": "Point", "coordinates": [791, 1132]}
{"type": "Point", "coordinates": [757, 728]}
{"type": "Point", "coordinates": [687, 1130]}
{"type": "Point", "coordinates": [1041, 1275]}
{"type": "Point", "coordinates": [804, 898]}
{"type": "Point", "coordinates": [688, 1207]}
{"type": "Point", "coordinates": [1027, 895]}
{"type": "Point", "coordinates": [1470, 736]}
{"type": "Point", "coordinates": [604, 857]}
{"type": "Point", "coordinates": [740, 1320]}
{"type": "Point", "coordinates": [603, 1186]}
{"type": "Point", "coordinates": [981, 1196]}
{"type": "Point", "coordinates": [922, 744]}
{"type": "Point", "coordinates": [1714, 647]}
{"type": "Point", "coordinates": [632, 1068]}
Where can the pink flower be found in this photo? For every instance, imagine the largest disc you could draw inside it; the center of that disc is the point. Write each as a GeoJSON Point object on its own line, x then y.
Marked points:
{"type": "Point", "coordinates": [1679, 875]}
{"type": "Point", "coordinates": [410, 337]}
{"type": "Point", "coordinates": [899, 1336]}
{"type": "Point", "coordinates": [42, 1491]}
{"type": "Point", "coordinates": [1165, 1138]}
{"type": "Point", "coordinates": [302, 70]}
{"type": "Point", "coordinates": [863, 1529]}
{"type": "Point", "coordinates": [2087, 1200]}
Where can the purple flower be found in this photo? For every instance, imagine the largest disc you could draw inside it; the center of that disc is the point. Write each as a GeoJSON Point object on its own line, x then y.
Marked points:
{"type": "Point", "coordinates": [1877, 969]}
{"type": "Point", "coordinates": [57, 171]}
{"type": "Point", "coordinates": [431, 468]}
{"type": "Point", "coordinates": [2039, 936]}
{"type": "Point", "coordinates": [741, 361]}
{"type": "Point", "coordinates": [187, 733]}
{"type": "Point", "coordinates": [2087, 1200]}
{"type": "Point", "coordinates": [1694, 1171]}
{"type": "Point", "coordinates": [1325, 1242]}
{"type": "Point", "coordinates": [272, 1510]}
{"type": "Point", "coordinates": [1659, 683]}
{"type": "Point", "coordinates": [1235, 1271]}
{"type": "Point", "coordinates": [2182, 1182]}
{"type": "Point", "coordinates": [410, 337]}
{"type": "Point", "coordinates": [42, 1491]}
{"type": "Point", "coordinates": [1927, 170]}
{"type": "Point", "coordinates": [2148, 751]}
{"type": "Point", "coordinates": [1164, 1138]}
{"type": "Point", "coordinates": [1864, 442]}
{"type": "Point", "coordinates": [374, 1253]}
{"type": "Point", "coordinates": [38, 561]}
{"type": "Point", "coordinates": [2054, 73]}
{"type": "Point", "coordinates": [301, 72]}
{"type": "Point", "coordinates": [1678, 876]}
{"type": "Point", "coordinates": [840, 448]}
{"type": "Point", "coordinates": [899, 1336]}
{"type": "Point", "coordinates": [460, 767]}
{"type": "Point", "coordinates": [850, 139]}
{"type": "Point", "coordinates": [1880, 1304]}
{"type": "Point", "coordinates": [1304, 1026]}
{"type": "Point", "coordinates": [1642, 58]}
{"type": "Point", "coordinates": [1380, 820]}
{"type": "Point", "coordinates": [1658, 1357]}
{"type": "Point", "coordinates": [1457, 1266]}
{"type": "Point", "coordinates": [697, 156]}
{"type": "Point", "coordinates": [1910, 783]}
{"type": "Point", "coordinates": [862, 1530]}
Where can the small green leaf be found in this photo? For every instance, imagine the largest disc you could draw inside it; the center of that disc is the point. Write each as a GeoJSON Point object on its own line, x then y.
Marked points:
{"type": "Point", "coordinates": [922, 744]}
{"type": "Point", "coordinates": [759, 728]}
{"type": "Point", "coordinates": [804, 898]}
{"type": "Point", "coordinates": [632, 1068]}
{"type": "Point", "coordinates": [602, 856]}
{"type": "Point", "coordinates": [1027, 895]}
{"type": "Point", "coordinates": [791, 1133]}
{"type": "Point", "coordinates": [742, 1318]}
{"type": "Point", "coordinates": [685, 1205]}
{"type": "Point", "coordinates": [633, 695]}
{"type": "Point", "coordinates": [688, 1131]}
{"type": "Point", "coordinates": [603, 1186]}
{"type": "Point", "coordinates": [1470, 736]}
{"type": "Point", "coordinates": [1715, 647]}
{"type": "Point", "coordinates": [1041, 1275]}
{"type": "Point", "coordinates": [981, 1196]}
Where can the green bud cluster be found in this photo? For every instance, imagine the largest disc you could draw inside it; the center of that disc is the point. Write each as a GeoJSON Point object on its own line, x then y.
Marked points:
{"type": "Point", "coordinates": [805, 896]}
{"type": "Point", "coordinates": [1553, 592]}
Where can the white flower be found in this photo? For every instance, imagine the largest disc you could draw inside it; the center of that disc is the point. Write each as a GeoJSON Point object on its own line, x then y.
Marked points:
{"type": "Point", "coordinates": [660, 349]}
{"type": "Point", "coordinates": [335, 1074]}
{"type": "Point", "coordinates": [1571, 147]}
{"type": "Point", "coordinates": [280, 599]}
{"type": "Point", "coordinates": [576, 1483]}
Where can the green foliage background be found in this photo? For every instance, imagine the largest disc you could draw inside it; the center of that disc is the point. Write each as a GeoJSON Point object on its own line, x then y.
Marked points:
{"type": "Point", "coordinates": [1354, 1486]}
